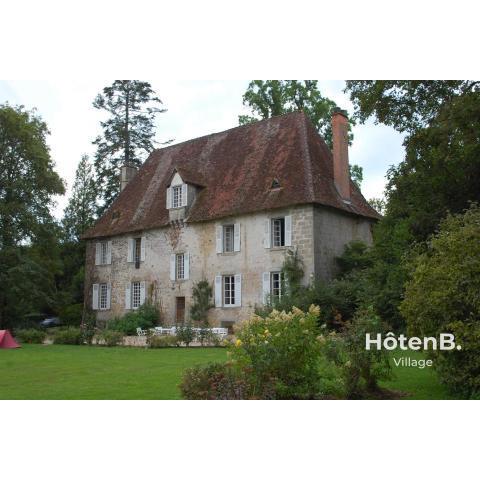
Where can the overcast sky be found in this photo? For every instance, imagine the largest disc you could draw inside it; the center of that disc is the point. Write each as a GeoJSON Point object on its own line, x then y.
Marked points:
{"type": "Point", "coordinates": [195, 108]}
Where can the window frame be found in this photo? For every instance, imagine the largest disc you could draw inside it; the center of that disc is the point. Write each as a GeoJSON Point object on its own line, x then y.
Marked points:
{"type": "Point", "coordinates": [133, 295]}
{"type": "Point", "coordinates": [177, 200]}
{"type": "Point", "coordinates": [231, 291]}
{"type": "Point", "coordinates": [280, 284]}
{"type": "Point", "coordinates": [180, 267]}
{"type": "Point", "coordinates": [103, 300]}
{"type": "Point", "coordinates": [281, 232]}
{"type": "Point", "coordinates": [228, 228]}
{"type": "Point", "coordinates": [104, 253]}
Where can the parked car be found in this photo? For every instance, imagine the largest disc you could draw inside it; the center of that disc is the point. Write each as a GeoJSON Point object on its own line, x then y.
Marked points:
{"type": "Point", "coordinates": [50, 322]}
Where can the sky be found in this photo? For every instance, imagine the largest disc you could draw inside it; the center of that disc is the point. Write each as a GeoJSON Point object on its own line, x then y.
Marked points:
{"type": "Point", "coordinates": [194, 108]}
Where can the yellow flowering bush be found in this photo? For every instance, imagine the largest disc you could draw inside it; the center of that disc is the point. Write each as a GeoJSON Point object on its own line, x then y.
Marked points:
{"type": "Point", "coordinates": [280, 350]}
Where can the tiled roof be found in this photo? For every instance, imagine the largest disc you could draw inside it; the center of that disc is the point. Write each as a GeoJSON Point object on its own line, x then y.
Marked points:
{"type": "Point", "coordinates": [234, 171]}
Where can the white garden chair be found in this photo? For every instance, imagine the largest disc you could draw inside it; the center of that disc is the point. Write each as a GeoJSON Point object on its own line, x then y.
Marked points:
{"type": "Point", "coordinates": [141, 333]}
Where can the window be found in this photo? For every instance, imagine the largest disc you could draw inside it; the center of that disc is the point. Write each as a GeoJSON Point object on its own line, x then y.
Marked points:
{"type": "Point", "coordinates": [180, 266]}
{"type": "Point", "coordinates": [104, 253]}
{"type": "Point", "coordinates": [228, 233]}
{"type": "Point", "coordinates": [135, 294]}
{"type": "Point", "coordinates": [229, 290]}
{"type": "Point", "coordinates": [137, 251]}
{"type": "Point", "coordinates": [177, 196]}
{"type": "Point", "coordinates": [276, 284]}
{"type": "Point", "coordinates": [103, 297]}
{"type": "Point", "coordinates": [278, 232]}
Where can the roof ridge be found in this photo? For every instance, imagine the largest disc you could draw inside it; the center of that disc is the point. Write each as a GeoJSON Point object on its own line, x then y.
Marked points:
{"type": "Point", "coordinates": [308, 155]}
{"type": "Point", "coordinates": [262, 120]}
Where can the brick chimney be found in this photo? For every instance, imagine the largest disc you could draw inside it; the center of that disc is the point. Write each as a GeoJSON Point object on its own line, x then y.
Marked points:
{"type": "Point", "coordinates": [341, 171]}
{"type": "Point", "coordinates": [127, 172]}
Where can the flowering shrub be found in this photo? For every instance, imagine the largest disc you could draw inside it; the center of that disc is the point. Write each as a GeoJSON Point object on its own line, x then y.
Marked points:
{"type": "Point", "coordinates": [185, 333]}
{"type": "Point", "coordinates": [281, 349]}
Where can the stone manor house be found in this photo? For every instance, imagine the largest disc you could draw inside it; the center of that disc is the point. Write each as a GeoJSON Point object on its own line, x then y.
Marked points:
{"type": "Point", "coordinates": [226, 207]}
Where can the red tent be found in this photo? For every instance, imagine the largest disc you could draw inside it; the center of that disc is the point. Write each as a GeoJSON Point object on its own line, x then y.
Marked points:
{"type": "Point", "coordinates": [6, 340]}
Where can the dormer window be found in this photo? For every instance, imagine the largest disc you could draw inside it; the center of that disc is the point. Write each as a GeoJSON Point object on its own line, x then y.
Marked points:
{"type": "Point", "coordinates": [275, 184]}
{"type": "Point", "coordinates": [177, 196]}
{"type": "Point", "coordinates": [177, 193]}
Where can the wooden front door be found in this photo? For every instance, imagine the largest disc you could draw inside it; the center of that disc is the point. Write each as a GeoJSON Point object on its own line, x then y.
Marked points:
{"type": "Point", "coordinates": [180, 310]}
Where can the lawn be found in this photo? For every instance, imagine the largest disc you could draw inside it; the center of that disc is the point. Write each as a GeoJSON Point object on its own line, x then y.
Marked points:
{"type": "Point", "coordinates": [79, 372]}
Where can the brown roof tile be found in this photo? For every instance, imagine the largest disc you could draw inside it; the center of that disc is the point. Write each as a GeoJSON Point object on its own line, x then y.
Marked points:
{"type": "Point", "coordinates": [234, 170]}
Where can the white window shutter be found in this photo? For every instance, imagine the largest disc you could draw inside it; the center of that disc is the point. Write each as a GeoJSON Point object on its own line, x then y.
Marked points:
{"type": "Point", "coordinates": [142, 249]}
{"type": "Point", "coordinates": [142, 292]}
{"type": "Point", "coordinates": [236, 237]}
{"type": "Point", "coordinates": [172, 266]}
{"type": "Point", "coordinates": [131, 246]}
{"type": "Point", "coordinates": [218, 291]}
{"type": "Point", "coordinates": [95, 296]}
{"type": "Point", "coordinates": [266, 286]}
{"type": "Point", "coordinates": [109, 295]}
{"type": "Point", "coordinates": [128, 296]}
{"type": "Point", "coordinates": [186, 266]}
{"type": "Point", "coordinates": [219, 238]}
{"type": "Point", "coordinates": [238, 290]}
{"type": "Point", "coordinates": [288, 231]}
{"type": "Point", "coordinates": [98, 249]}
{"type": "Point", "coordinates": [266, 238]}
{"type": "Point", "coordinates": [169, 197]}
{"type": "Point", "coordinates": [109, 252]}
{"type": "Point", "coordinates": [184, 195]}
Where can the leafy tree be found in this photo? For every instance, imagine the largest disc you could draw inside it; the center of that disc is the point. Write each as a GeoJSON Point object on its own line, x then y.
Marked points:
{"type": "Point", "coordinates": [81, 210]}
{"type": "Point", "coordinates": [27, 231]}
{"type": "Point", "coordinates": [379, 204]}
{"type": "Point", "coordinates": [269, 98]}
{"type": "Point", "coordinates": [442, 295]}
{"type": "Point", "coordinates": [127, 134]}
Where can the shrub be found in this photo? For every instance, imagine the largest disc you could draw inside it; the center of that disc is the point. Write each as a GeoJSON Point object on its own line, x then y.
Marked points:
{"type": "Point", "coordinates": [362, 368]}
{"type": "Point", "coordinates": [281, 349]}
{"type": "Point", "coordinates": [185, 333]}
{"type": "Point", "coordinates": [442, 296]}
{"type": "Point", "coordinates": [31, 335]}
{"type": "Point", "coordinates": [145, 317]}
{"type": "Point", "coordinates": [112, 338]}
{"type": "Point", "coordinates": [88, 327]}
{"type": "Point", "coordinates": [163, 341]}
{"type": "Point", "coordinates": [202, 302]}
{"type": "Point", "coordinates": [72, 315]}
{"type": "Point", "coordinates": [207, 337]}
{"type": "Point", "coordinates": [216, 381]}
{"type": "Point", "coordinates": [68, 336]}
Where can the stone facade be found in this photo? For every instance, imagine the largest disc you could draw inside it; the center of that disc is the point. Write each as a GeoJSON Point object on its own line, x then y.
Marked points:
{"type": "Point", "coordinates": [318, 233]}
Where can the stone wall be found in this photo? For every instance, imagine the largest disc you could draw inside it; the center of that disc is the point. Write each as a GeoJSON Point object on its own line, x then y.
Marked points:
{"type": "Point", "coordinates": [318, 234]}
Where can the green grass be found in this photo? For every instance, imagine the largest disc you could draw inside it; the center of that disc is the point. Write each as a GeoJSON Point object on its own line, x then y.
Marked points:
{"type": "Point", "coordinates": [80, 372]}
{"type": "Point", "coordinates": [418, 384]}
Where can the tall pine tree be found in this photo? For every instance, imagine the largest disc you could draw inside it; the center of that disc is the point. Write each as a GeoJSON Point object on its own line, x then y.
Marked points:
{"type": "Point", "coordinates": [81, 209]}
{"type": "Point", "coordinates": [127, 134]}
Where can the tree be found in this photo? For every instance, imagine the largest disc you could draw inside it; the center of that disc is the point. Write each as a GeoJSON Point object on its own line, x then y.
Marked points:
{"type": "Point", "coordinates": [268, 98]}
{"type": "Point", "coordinates": [81, 209]}
{"type": "Point", "coordinates": [127, 134]}
{"type": "Point", "coordinates": [27, 231]}
{"type": "Point", "coordinates": [442, 296]}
